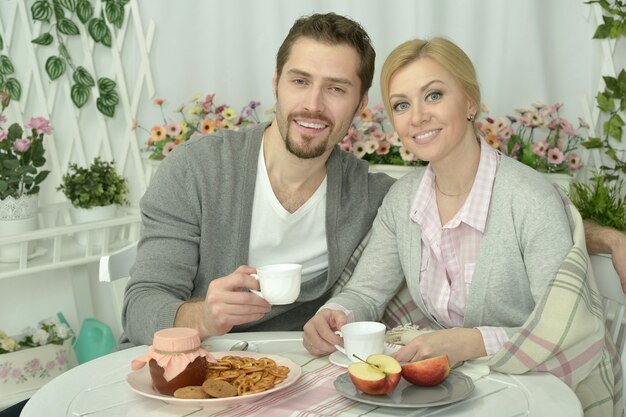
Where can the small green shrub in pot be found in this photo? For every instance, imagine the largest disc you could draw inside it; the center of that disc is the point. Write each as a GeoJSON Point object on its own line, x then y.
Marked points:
{"type": "Point", "coordinates": [602, 201]}
{"type": "Point", "coordinates": [98, 185]}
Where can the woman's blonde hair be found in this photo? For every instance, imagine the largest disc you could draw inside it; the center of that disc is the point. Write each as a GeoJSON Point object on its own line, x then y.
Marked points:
{"type": "Point", "coordinates": [445, 53]}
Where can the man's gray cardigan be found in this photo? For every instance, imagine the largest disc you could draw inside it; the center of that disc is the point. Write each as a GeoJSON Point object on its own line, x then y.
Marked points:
{"type": "Point", "coordinates": [196, 227]}
{"type": "Point", "coordinates": [527, 236]}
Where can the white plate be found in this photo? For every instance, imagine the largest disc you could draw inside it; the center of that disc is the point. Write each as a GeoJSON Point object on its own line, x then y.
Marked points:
{"type": "Point", "coordinates": [406, 395]}
{"type": "Point", "coordinates": [342, 360]}
{"type": "Point", "coordinates": [141, 383]}
{"type": "Point", "coordinates": [222, 345]}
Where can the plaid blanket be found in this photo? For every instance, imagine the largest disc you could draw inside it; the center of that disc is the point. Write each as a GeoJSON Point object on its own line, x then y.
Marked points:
{"type": "Point", "coordinates": [565, 334]}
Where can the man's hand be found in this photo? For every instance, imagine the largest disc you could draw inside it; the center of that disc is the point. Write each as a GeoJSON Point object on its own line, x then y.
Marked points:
{"type": "Point", "coordinates": [602, 239]}
{"type": "Point", "coordinates": [225, 305]}
{"type": "Point", "coordinates": [460, 344]}
{"type": "Point", "coordinates": [319, 333]}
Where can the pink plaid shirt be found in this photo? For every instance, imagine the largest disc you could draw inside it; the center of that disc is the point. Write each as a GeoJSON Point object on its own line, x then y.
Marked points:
{"type": "Point", "coordinates": [449, 253]}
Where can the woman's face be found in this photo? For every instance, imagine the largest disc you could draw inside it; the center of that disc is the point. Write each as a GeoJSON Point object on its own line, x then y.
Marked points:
{"type": "Point", "coordinates": [429, 110]}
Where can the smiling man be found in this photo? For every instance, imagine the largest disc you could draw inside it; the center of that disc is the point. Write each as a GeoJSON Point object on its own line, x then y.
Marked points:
{"type": "Point", "coordinates": [219, 206]}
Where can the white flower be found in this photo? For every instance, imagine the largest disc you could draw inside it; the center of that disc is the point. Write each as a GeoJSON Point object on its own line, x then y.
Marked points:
{"type": "Point", "coordinates": [63, 331]}
{"type": "Point", "coordinates": [28, 331]}
{"type": "Point", "coordinates": [8, 344]}
{"type": "Point", "coordinates": [406, 155]}
{"type": "Point", "coordinates": [40, 337]}
{"type": "Point", "coordinates": [2, 334]}
{"type": "Point", "coordinates": [371, 146]}
{"type": "Point", "coordinates": [394, 139]}
{"type": "Point", "coordinates": [364, 126]}
{"type": "Point", "coordinates": [358, 149]}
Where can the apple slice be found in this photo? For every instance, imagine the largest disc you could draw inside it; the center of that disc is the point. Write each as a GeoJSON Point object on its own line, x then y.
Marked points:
{"type": "Point", "coordinates": [379, 375]}
{"type": "Point", "coordinates": [427, 372]}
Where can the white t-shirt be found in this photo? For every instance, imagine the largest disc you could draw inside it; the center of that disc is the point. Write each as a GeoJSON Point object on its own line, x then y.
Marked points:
{"type": "Point", "coordinates": [278, 236]}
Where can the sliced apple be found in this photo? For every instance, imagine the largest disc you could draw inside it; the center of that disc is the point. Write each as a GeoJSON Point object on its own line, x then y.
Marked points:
{"type": "Point", "coordinates": [379, 375]}
{"type": "Point", "coordinates": [427, 372]}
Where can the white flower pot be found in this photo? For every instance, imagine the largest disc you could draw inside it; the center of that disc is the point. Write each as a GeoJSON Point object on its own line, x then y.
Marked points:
{"type": "Point", "coordinates": [17, 216]}
{"type": "Point", "coordinates": [561, 180]}
{"type": "Point", "coordinates": [91, 215]}
{"type": "Point", "coordinates": [394, 171]}
{"type": "Point", "coordinates": [30, 368]}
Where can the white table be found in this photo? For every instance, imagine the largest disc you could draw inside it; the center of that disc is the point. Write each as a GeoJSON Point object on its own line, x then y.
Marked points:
{"type": "Point", "coordinates": [100, 385]}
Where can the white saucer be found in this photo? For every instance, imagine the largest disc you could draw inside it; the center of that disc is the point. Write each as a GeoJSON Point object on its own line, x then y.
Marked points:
{"type": "Point", "coordinates": [342, 360]}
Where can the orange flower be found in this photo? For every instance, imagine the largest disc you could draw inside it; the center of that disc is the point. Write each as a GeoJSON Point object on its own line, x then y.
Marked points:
{"type": "Point", "coordinates": [158, 133]}
{"type": "Point", "coordinates": [366, 115]}
{"type": "Point", "coordinates": [159, 101]}
{"type": "Point", "coordinates": [493, 141]}
{"type": "Point", "coordinates": [208, 127]}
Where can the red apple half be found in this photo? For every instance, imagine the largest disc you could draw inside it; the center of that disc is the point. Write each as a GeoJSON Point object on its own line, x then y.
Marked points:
{"type": "Point", "coordinates": [427, 372]}
{"type": "Point", "coordinates": [379, 375]}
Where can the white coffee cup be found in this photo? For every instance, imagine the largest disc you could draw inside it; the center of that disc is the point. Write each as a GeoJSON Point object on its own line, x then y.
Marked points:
{"type": "Point", "coordinates": [361, 338]}
{"type": "Point", "coordinates": [280, 283]}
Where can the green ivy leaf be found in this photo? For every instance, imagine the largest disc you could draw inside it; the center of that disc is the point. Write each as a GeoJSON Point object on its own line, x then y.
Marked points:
{"type": "Point", "coordinates": [43, 39]}
{"type": "Point", "coordinates": [33, 190]}
{"type": "Point", "coordinates": [593, 143]}
{"type": "Point", "coordinates": [63, 51]}
{"type": "Point", "coordinates": [41, 10]}
{"type": "Point", "coordinates": [68, 4]}
{"type": "Point", "coordinates": [41, 176]}
{"type": "Point", "coordinates": [97, 29]}
{"type": "Point", "coordinates": [14, 88]}
{"type": "Point", "coordinates": [106, 85]}
{"type": "Point", "coordinates": [79, 95]}
{"type": "Point", "coordinates": [110, 99]}
{"type": "Point", "coordinates": [613, 127]}
{"type": "Point", "coordinates": [67, 27]}
{"type": "Point", "coordinates": [104, 109]}
{"type": "Point", "coordinates": [611, 83]}
{"type": "Point", "coordinates": [1, 43]}
{"type": "Point", "coordinates": [106, 39]}
{"type": "Point", "coordinates": [6, 67]}
{"type": "Point", "coordinates": [82, 77]}
{"type": "Point", "coordinates": [114, 13]}
{"type": "Point", "coordinates": [58, 11]}
{"type": "Point", "coordinates": [605, 102]}
{"type": "Point", "coordinates": [84, 10]}
{"type": "Point", "coordinates": [55, 67]}
{"type": "Point", "coordinates": [602, 32]}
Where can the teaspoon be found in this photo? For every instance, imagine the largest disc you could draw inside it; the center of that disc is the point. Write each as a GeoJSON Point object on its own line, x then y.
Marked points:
{"type": "Point", "coordinates": [240, 346]}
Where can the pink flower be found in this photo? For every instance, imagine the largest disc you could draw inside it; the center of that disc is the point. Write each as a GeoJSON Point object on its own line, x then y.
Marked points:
{"type": "Point", "coordinates": [40, 124]}
{"type": "Point", "coordinates": [555, 156]}
{"type": "Point", "coordinates": [21, 145]}
{"type": "Point", "coordinates": [505, 133]}
{"type": "Point", "coordinates": [383, 148]}
{"type": "Point", "coordinates": [378, 135]}
{"type": "Point", "coordinates": [346, 144]}
{"type": "Point", "coordinates": [3, 135]}
{"type": "Point", "coordinates": [539, 148]}
{"type": "Point", "coordinates": [207, 103]}
{"type": "Point", "coordinates": [573, 161]}
{"type": "Point", "coordinates": [50, 365]}
{"type": "Point", "coordinates": [582, 122]}
{"type": "Point", "coordinates": [173, 129]}
{"type": "Point", "coordinates": [33, 365]}
{"type": "Point", "coordinates": [16, 373]}
{"type": "Point", "coordinates": [169, 147]}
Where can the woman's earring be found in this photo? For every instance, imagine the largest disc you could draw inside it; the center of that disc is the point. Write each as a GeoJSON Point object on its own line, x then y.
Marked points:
{"type": "Point", "coordinates": [470, 117]}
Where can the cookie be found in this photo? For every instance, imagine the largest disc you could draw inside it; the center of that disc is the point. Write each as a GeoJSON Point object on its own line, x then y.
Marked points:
{"type": "Point", "coordinates": [218, 388]}
{"type": "Point", "coordinates": [191, 392]}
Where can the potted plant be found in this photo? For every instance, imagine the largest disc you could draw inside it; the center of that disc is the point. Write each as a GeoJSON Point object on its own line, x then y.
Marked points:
{"type": "Point", "coordinates": [372, 138]}
{"type": "Point", "coordinates": [22, 157]}
{"type": "Point", "coordinates": [95, 192]}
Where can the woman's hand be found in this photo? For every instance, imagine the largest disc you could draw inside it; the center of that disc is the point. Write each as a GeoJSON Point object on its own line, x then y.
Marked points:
{"type": "Point", "coordinates": [459, 344]}
{"type": "Point", "coordinates": [319, 336]}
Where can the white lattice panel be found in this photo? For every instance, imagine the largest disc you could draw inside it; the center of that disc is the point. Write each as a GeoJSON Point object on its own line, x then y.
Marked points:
{"type": "Point", "coordinates": [82, 134]}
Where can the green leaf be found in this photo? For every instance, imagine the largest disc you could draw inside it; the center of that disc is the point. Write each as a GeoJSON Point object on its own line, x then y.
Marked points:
{"type": "Point", "coordinates": [611, 83]}
{"type": "Point", "coordinates": [114, 13]}
{"type": "Point", "coordinates": [79, 95]}
{"type": "Point", "coordinates": [33, 190]}
{"type": "Point", "coordinates": [593, 143]}
{"type": "Point", "coordinates": [58, 11]}
{"type": "Point", "coordinates": [605, 102]}
{"type": "Point", "coordinates": [41, 10]}
{"type": "Point", "coordinates": [613, 127]}
{"type": "Point", "coordinates": [6, 67]}
{"type": "Point", "coordinates": [104, 109]}
{"type": "Point", "coordinates": [68, 4]}
{"type": "Point", "coordinates": [84, 10]}
{"type": "Point", "coordinates": [11, 163]}
{"type": "Point", "coordinates": [97, 29]}
{"type": "Point", "coordinates": [67, 27]}
{"type": "Point", "coordinates": [106, 39]}
{"type": "Point", "coordinates": [41, 176]}
{"type": "Point", "coordinates": [106, 85]}
{"type": "Point", "coordinates": [55, 67]}
{"type": "Point", "coordinates": [14, 88]}
{"type": "Point", "coordinates": [1, 43]}
{"type": "Point", "coordinates": [15, 132]}
{"type": "Point", "coordinates": [110, 98]}
{"type": "Point", "coordinates": [82, 77]}
{"type": "Point", "coordinates": [602, 32]}
{"type": "Point", "coordinates": [43, 39]}
{"type": "Point", "coordinates": [63, 51]}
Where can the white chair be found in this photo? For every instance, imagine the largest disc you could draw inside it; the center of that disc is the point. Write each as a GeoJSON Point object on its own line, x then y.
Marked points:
{"type": "Point", "coordinates": [115, 269]}
{"type": "Point", "coordinates": [614, 305]}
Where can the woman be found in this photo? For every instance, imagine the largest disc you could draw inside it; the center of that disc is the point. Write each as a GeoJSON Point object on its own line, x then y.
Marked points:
{"type": "Point", "coordinates": [479, 237]}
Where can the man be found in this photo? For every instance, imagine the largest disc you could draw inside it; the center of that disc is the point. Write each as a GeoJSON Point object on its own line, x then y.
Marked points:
{"type": "Point", "coordinates": [282, 192]}
{"type": "Point", "coordinates": [276, 193]}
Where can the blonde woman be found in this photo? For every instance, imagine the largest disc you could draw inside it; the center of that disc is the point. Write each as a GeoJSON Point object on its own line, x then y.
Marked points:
{"type": "Point", "coordinates": [479, 237]}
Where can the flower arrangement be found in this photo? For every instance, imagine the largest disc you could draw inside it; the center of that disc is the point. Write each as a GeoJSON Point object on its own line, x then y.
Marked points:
{"type": "Point", "coordinates": [538, 137]}
{"type": "Point", "coordinates": [22, 156]}
{"type": "Point", "coordinates": [202, 118]}
{"type": "Point", "coordinates": [49, 331]}
{"type": "Point", "coordinates": [371, 138]}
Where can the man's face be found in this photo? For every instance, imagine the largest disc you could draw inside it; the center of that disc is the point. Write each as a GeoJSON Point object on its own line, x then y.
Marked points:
{"type": "Point", "coordinates": [317, 96]}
